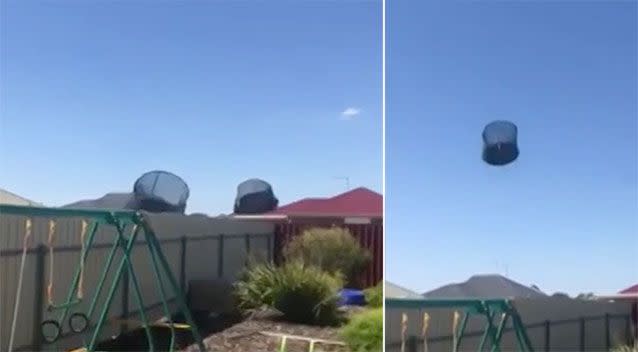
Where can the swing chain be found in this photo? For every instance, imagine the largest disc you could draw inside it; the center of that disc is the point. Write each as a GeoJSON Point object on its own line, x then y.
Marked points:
{"type": "Point", "coordinates": [424, 332]}
{"type": "Point", "coordinates": [455, 324]}
{"type": "Point", "coordinates": [50, 245]}
{"type": "Point", "coordinates": [25, 247]}
{"type": "Point", "coordinates": [27, 235]}
{"type": "Point", "coordinates": [80, 293]}
{"type": "Point", "coordinates": [404, 330]}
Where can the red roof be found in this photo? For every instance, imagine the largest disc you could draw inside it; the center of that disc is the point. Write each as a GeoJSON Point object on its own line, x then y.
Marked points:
{"type": "Point", "coordinates": [632, 289]}
{"type": "Point", "coordinates": [357, 202]}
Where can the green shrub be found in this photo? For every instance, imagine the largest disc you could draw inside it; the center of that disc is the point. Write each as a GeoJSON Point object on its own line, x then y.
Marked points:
{"type": "Point", "coordinates": [364, 332]}
{"type": "Point", "coordinates": [625, 348]}
{"type": "Point", "coordinates": [307, 295]}
{"type": "Point", "coordinates": [303, 294]}
{"type": "Point", "coordinates": [331, 249]}
{"type": "Point", "coordinates": [254, 287]}
{"type": "Point", "coordinates": [374, 295]}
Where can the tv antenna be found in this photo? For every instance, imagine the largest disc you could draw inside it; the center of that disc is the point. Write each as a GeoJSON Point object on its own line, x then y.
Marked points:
{"type": "Point", "coordinates": [346, 179]}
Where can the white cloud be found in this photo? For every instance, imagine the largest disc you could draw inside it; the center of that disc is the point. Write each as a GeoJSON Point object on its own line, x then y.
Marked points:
{"type": "Point", "coordinates": [350, 113]}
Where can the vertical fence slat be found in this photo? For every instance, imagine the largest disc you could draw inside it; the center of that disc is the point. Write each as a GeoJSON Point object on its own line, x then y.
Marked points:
{"type": "Point", "coordinates": [548, 334]}
{"type": "Point", "coordinates": [581, 323]}
{"type": "Point", "coordinates": [39, 297]}
{"type": "Point", "coordinates": [270, 246]}
{"type": "Point", "coordinates": [412, 343]}
{"type": "Point", "coordinates": [607, 333]}
{"type": "Point", "coordinates": [220, 257]}
{"type": "Point", "coordinates": [182, 263]}
{"type": "Point", "coordinates": [247, 245]}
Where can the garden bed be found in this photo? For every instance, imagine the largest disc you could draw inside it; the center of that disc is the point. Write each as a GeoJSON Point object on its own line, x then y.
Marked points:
{"type": "Point", "coordinates": [247, 336]}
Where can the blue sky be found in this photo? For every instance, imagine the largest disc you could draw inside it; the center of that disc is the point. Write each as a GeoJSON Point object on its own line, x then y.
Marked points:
{"type": "Point", "coordinates": [565, 215]}
{"type": "Point", "coordinates": [93, 95]}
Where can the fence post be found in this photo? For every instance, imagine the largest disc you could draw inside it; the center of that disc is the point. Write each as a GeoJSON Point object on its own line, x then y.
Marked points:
{"type": "Point", "coordinates": [548, 331]}
{"type": "Point", "coordinates": [607, 334]}
{"type": "Point", "coordinates": [125, 294]}
{"type": "Point", "coordinates": [582, 333]}
{"type": "Point", "coordinates": [182, 273]}
{"type": "Point", "coordinates": [628, 326]}
{"type": "Point", "coordinates": [247, 244]}
{"type": "Point", "coordinates": [271, 239]}
{"type": "Point", "coordinates": [220, 257]}
{"type": "Point", "coordinates": [39, 297]}
{"type": "Point", "coordinates": [412, 343]}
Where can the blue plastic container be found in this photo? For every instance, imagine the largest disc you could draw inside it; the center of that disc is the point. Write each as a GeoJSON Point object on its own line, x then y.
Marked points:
{"type": "Point", "coordinates": [352, 297]}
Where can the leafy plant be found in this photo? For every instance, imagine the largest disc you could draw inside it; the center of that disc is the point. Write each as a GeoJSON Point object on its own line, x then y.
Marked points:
{"type": "Point", "coordinates": [625, 348]}
{"type": "Point", "coordinates": [254, 287]}
{"type": "Point", "coordinates": [374, 295]}
{"type": "Point", "coordinates": [364, 332]}
{"type": "Point", "coordinates": [306, 294]}
{"type": "Point", "coordinates": [303, 294]}
{"type": "Point", "coordinates": [331, 249]}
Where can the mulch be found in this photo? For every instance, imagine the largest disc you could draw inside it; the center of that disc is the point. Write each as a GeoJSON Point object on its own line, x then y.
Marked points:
{"type": "Point", "coordinates": [246, 336]}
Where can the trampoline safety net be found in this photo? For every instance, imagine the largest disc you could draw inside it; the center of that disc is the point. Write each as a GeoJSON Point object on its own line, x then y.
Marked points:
{"type": "Point", "coordinates": [255, 196]}
{"type": "Point", "coordinates": [500, 145]}
{"type": "Point", "coordinates": [161, 191]}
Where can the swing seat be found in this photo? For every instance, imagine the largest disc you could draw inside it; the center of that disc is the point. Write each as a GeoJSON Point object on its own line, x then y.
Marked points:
{"type": "Point", "coordinates": [177, 326]}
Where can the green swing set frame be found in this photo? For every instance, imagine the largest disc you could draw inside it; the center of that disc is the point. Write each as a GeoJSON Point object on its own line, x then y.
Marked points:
{"type": "Point", "coordinates": [119, 220]}
{"type": "Point", "coordinates": [488, 308]}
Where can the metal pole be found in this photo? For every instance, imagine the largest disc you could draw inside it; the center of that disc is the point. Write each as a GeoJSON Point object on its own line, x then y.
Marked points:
{"type": "Point", "coordinates": [547, 335]}
{"type": "Point", "coordinates": [118, 276]}
{"type": "Point", "coordinates": [160, 286]}
{"type": "Point", "coordinates": [461, 332]}
{"type": "Point", "coordinates": [179, 295]}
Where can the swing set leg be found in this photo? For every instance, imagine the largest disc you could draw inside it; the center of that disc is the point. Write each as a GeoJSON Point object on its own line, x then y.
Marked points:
{"type": "Point", "coordinates": [160, 286]}
{"type": "Point", "coordinates": [461, 332]}
{"type": "Point", "coordinates": [179, 295]}
{"type": "Point", "coordinates": [490, 332]}
{"type": "Point", "coordinates": [524, 344]}
{"type": "Point", "coordinates": [125, 264]}
{"type": "Point", "coordinates": [105, 272]}
{"type": "Point", "coordinates": [499, 332]}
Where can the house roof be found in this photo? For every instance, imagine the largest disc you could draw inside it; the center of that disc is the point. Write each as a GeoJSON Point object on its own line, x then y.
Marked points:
{"type": "Point", "coordinates": [395, 291]}
{"type": "Point", "coordinates": [632, 289]}
{"type": "Point", "coordinates": [11, 198]}
{"type": "Point", "coordinates": [108, 201]}
{"type": "Point", "coordinates": [485, 286]}
{"type": "Point", "coordinates": [357, 202]}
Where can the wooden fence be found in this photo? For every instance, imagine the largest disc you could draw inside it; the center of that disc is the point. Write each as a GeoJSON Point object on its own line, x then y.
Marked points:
{"type": "Point", "coordinates": [552, 324]}
{"type": "Point", "coordinates": [219, 248]}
